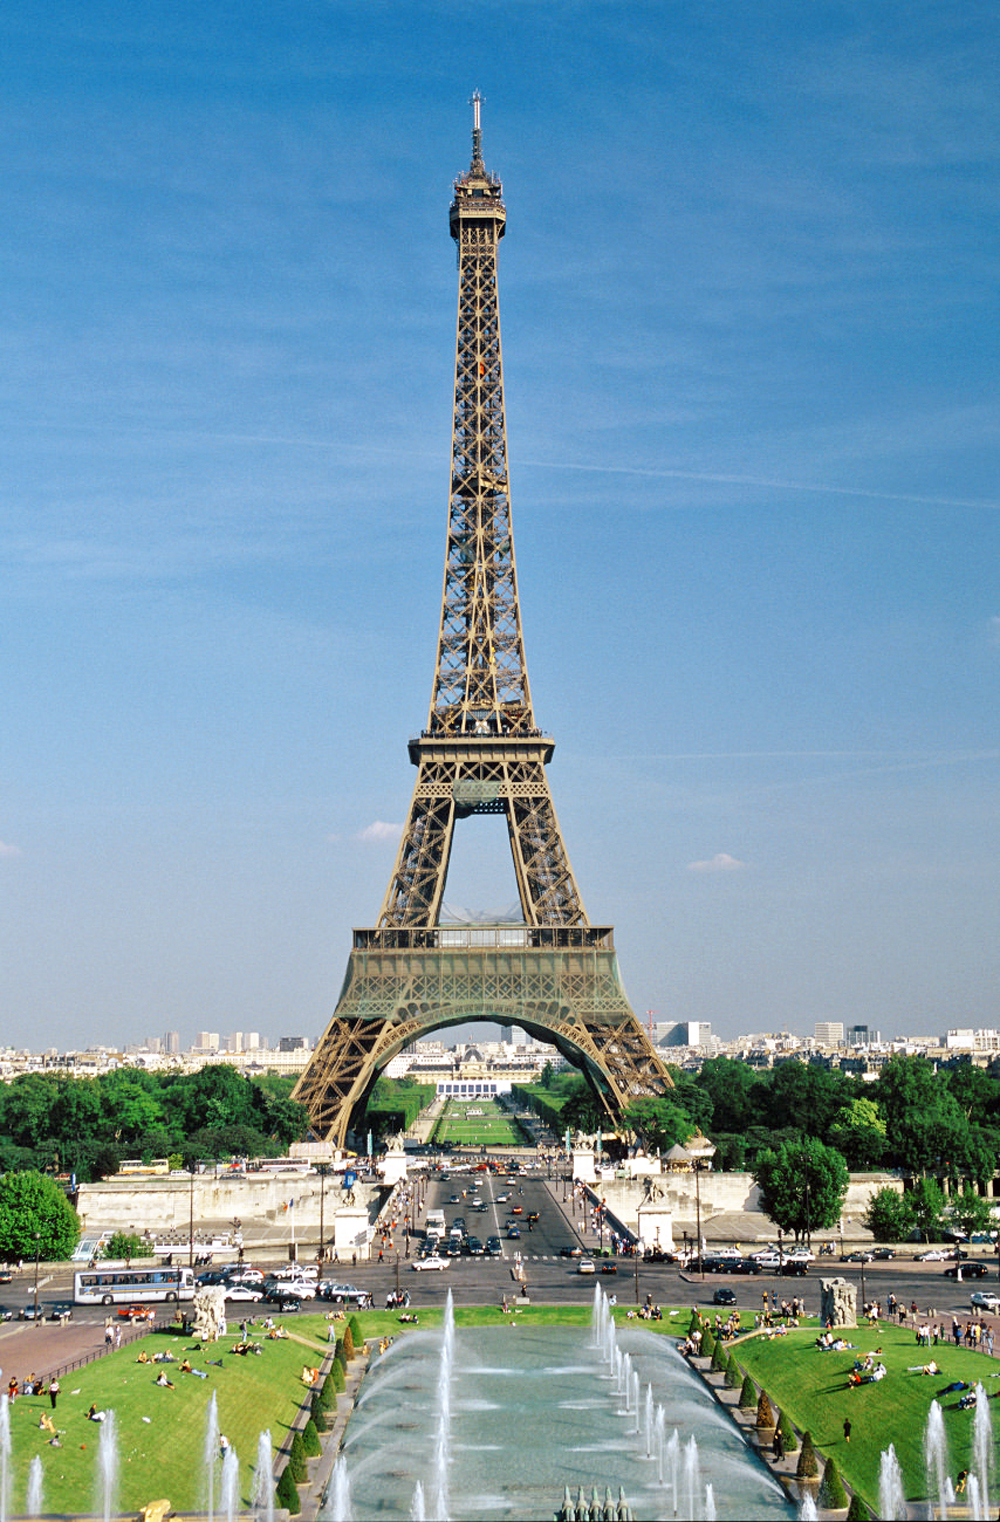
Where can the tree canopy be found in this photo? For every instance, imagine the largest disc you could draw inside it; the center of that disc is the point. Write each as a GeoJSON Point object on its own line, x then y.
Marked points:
{"type": "Point", "coordinates": [36, 1218]}
{"type": "Point", "coordinates": [802, 1185]}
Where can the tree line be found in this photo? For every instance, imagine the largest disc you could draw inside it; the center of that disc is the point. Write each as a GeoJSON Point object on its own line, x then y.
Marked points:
{"type": "Point", "coordinates": [54, 1123]}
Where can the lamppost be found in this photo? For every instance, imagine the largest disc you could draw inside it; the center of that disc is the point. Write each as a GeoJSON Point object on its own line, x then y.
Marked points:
{"type": "Point", "coordinates": [696, 1164]}
{"type": "Point", "coordinates": [191, 1218]}
{"type": "Point", "coordinates": [322, 1169]}
{"type": "Point", "coordinates": [38, 1238]}
{"type": "Point", "coordinates": [397, 1278]}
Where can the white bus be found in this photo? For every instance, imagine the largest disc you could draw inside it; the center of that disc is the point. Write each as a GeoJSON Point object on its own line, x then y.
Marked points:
{"type": "Point", "coordinates": [117, 1285]}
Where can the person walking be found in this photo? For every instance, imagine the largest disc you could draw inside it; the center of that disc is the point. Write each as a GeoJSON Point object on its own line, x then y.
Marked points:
{"type": "Point", "coordinates": [847, 1429]}
{"type": "Point", "coordinates": [53, 1392]}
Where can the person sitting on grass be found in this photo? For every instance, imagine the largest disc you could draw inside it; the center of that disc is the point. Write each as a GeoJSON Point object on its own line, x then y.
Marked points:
{"type": "Point", "coordinates": [163, 1381]}
{"type": "Point", "coordinates": [93, 1415]}
{"type": "Point", "coordinates": [143, 1357]}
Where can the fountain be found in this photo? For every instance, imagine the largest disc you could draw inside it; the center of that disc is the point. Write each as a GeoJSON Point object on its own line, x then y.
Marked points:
{"type": "Point", "coordinates": [338, 1506]}
{"type": "Point", "coordinates": [34, 1500]}
{"type": "Point", "coordinates": [982, 1448]}
{"type": "Point", "coordinates": [210, 1453]}
{"type": "Point", "coordinates": [936, 1458]}
{"type": "Point", "coordinates": [496, 1421]}
{"type": "Point", "coordinates": [709, 1503]}
{"type": "Point", "coordinates": [807, 1510]}
{"type": "Point", "coordinates": [4, 1457]}
{"type": "Point", "coordinates": [891, 1497]}
{"type": "Point", "coordinates": [107, 1466]}
{"type": "Point", "coordinates": [262, 1496]}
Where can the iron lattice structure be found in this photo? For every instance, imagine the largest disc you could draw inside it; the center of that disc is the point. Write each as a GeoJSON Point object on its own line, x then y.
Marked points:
{"type": "Point", "coordinates": [556, 974]}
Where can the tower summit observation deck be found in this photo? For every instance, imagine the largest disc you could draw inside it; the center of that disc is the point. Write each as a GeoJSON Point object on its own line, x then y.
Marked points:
{"type": "Point", "coordinates": [555, 975]}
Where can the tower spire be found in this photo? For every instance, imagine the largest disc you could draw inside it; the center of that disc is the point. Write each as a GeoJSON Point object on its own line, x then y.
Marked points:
{"type": "Point", "coordinates": [477, 166]}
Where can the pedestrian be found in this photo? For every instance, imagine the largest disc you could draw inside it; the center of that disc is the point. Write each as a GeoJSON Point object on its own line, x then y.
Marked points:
{"type": "Point", "coordinates": [53, 1392]}
{"type": "Point", "coordinates": [118, 1337]}
{"type": "Point", "coordinates": [847, 1429]}
{"type": "Point", "coordinates": [779, 1446]}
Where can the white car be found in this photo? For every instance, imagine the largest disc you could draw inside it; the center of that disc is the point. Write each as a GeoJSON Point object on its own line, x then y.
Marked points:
{"type": "Point", "coordinates": [243, 1292]}
{"type": "Point", "coordinates": [984, 1300]}
{"type": "Point", "coordinates": [936, 1255]}
{"type": "Point", "coordinates": [799, 1255]}
{"type": "Point", "coordinates": [767, 1259]}
{"type": "Point", "coordinates": [586, 1266]}
{"type": "Point", "coordinates": [432, 1262]}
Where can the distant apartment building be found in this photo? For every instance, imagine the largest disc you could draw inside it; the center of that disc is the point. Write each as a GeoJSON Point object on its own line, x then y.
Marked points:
{"type": "Point", "coordinates": [829, 1032]}
{"type": "Point", "coordinates": [171, 1043]}
{"type": "Point", "coordinates": [683, 1033]}
{"type": "Point", "coordinates": [973, 1040]}
{"type": "Point", "coordinates": [207, 1041]}
{"type": "Point", "coordinates": [294, 1044]}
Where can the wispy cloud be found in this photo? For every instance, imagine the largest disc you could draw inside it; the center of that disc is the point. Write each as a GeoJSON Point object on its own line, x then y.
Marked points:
{"type": "Point", "coordinates": [9, 850]}
{"type": "Point", "coordinates": [378, 831]}
{"type": "Point", "coordinates": [722, 862]}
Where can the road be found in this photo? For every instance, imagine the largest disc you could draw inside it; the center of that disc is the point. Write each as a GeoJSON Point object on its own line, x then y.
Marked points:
{"type": "Point", "coordinates": [551, 1278]}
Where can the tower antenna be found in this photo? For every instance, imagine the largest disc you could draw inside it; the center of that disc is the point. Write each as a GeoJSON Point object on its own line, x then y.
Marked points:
{"type": "Point", "coordinates": [477, 133]}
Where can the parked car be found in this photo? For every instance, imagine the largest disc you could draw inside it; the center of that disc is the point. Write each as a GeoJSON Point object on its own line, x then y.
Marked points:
{"type": "Point", "coordinates": [724, 1296]}
{"type": "Point", "coordinates": [984, 1300]}
{"type": "Point", "coordinates": [432, 1262]}
{"type": "Point", "coordinates": [6, 1314]}
{"type": "Point", "coordinates": [31, 1313]}
{"type": "Point", "coordinates": [746, 1266]}
{"type": "Point", "coordinates": [969, 1270]}
{"type": "Point", "coordinates": [61, 1311]}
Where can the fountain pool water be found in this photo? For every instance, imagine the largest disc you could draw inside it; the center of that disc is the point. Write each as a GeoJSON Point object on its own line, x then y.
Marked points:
{"type": "Point", "coordinates": [263, 1479]}
{"type": "Point", "coordinates": [210, 1453]}
{"type": "Point", "coordinates": [982, 1448]}
{"type": "Point", "coordinates": [936, 1458]}
{"type": "Point", "coordinates": [34, 1499]}
{"type": "Point", "coordinates": [891, 1496]}
{"type": "Point", "coordinates": [531, 1409]}
{"type": "Point", "coordinates": [4, 1457]}
{"type": "Point", "coordinates": [107, 1467]}
{"type": "Point", "coordinates": [230, 1485]}
{"type": "Point", "coordinates": [338, 1499]}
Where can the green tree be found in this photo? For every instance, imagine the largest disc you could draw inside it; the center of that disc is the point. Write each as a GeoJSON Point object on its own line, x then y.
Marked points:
{"type": "Point", "coordinates": [548, 1074]}
{"type": "Point", "coordinates": [802, 1097]}
{"type": "Point", "coordinates": [832, 1495]}
{"type": "Point", "coordinates": [660, 1123]}
{"type": "Point", "coordinates": [926, 1200]}
{"type": "Point", "coordinates": [977, 1093]}
{"type": "Point", "coordinates": [123, 1244]}
{"type": "Point", "coordinates": [748, 1394]}
{"type": "Point", "coordinates": [971, 1211]}
{"type": "Point", "coordinates": [582, 1110]}
{"type": "Point", "coordinates": [32, 1205]}
{"type": "Point", "coordinates": [808, 1465]}
{"type": "Point", "coordinates": [787, 1431]}
{"type": "Point", "coordinates": [926, 1129]}
{"type": "Point", "coordinates": [889, 1216]}
{"type": "Point", "coordinates": [858, 1132]}
{"type": "Point", "coordinates": [802, 1186]}
{"type": "Point", "coordinates": [729, 1086]}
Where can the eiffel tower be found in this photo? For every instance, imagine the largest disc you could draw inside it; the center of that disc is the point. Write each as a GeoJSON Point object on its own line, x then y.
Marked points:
{"type": "Point", "coordinates": [555, 975]}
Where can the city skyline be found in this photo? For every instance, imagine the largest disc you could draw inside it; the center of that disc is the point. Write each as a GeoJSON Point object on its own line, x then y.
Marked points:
{"type": "Point", "coordinates": [749, 308]}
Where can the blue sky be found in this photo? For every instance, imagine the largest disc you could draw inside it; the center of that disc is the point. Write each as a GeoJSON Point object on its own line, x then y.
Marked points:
{"type": "Point", "coordinates": [749, 304]}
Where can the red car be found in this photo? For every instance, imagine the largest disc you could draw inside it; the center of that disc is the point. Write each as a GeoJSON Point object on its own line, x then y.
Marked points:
{"type": "Point", "coordinates": [136, 1313]}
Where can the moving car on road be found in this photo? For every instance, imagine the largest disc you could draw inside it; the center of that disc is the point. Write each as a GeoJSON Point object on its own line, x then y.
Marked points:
{"type": "Point", "coordinates": [724, 1296]}
{"type": "Point", "coordinates": [586, 1266]}
{"type": "Point", "coordinates": [432, 1262]}
{"type": "Point", "coordinates": [984, 1300]}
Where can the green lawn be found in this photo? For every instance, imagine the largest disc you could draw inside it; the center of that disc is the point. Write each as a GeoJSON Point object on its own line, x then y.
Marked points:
{"type": "Point", "coordinates": [491, 1128]}
{"type": "Point", "coordinates": [162, 1457]}
{"type": "Point", "coordinates": [812, 1388]}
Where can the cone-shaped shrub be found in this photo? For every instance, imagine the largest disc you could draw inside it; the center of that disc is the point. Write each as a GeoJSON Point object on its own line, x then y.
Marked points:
{"type": "Point", "coordinates": [348, 1341]}
{"type": "Point", "coordinates": [297, 1460]}
{"type": "Point", "coordinates": [719, 1358]}
{"type": "Point", "coordinates": [341, 1355]}
{"type": "Point", "coordinates": [832, 1495]}
{"type": "Point", "coordinates": [734, 1378]}
{"type": "Point", "coordinates": [787, 1431]}
{"type": "Point", "coordinates": [317, 1412]}
{"type": "Point", "coordinates": [357, 1335]}
{"type": "Point", "coordinates": [858, 1511]}
{"type": "Point", "coordinates": [313, 1447]}
{"type": "Point", "coordinates": [328, 1389]}
{"type": "Point", "coordinates": [765, 1411]}
{"type": "Point", "coordinates": [808, 1465]}
{"type": "Point", "coordinates": [748, 1394]}
{"type": "Point", "coordinates": [694, 1324]}
{"type": "Point", "coordinates": [288, 1492]}
{"type": "Point", "coordinates": [707, 1343]}
{"type": "Point", "coordinates": [336, 1379]}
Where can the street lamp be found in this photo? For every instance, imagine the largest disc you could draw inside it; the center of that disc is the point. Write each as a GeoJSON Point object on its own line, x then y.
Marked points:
{"type": "Point", "coordinates": [696, 1164]}
{"type": "Point", "coordinates": [321, 1169]}
{"type": "Point", "coordinates": [191, 1219]}
{"type": "Point", "coordinates": [38, 1237]}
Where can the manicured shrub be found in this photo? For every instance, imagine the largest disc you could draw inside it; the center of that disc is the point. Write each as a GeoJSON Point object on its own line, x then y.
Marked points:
{"type": "Point", "coordinates": [765, 1411]}
{"type": "Point", "coordinates": [341, 1355]}
{"type": "Point", "coordinates": [328, 1389]}
{"type": "Point", "coordinates": [858, 1511]}
{"type": "Point", "coordinates": [808, 1465]}
{"type": "Point", "coordinates": [787, 1431]}
{"type": "Point", "coordinates": [734, 1378]}
{"type": "Point", "coordinates": [336, 1379]}
{"type": "Point", "coordinates": [832, 1495]}
{"type": "Point", "coordinates": [348, 1341]}
{"type": "Point", "coordinates": [707, 1343]}
{"type": "Point", "coordinates": [357, 1335]}
{"type": "Point", "coordinates": [317, 1415]}
{"type": "Point", "coordinates": [719, 1357]}
{"type": "Point", "coordinates": [694, 1325]}
{"type": "Point", "coordinates": [748, 1394]}
{"type": "Point", "coordinates": [288, 1492]}
{"type": "Point", "coordinates": [311, 1443]}
{"type": "Point", "coordinates": [297, 1460]}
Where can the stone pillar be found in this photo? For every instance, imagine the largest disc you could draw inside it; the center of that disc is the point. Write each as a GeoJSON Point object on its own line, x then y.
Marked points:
{"type": "Point", "coordinates": [837, 1302]}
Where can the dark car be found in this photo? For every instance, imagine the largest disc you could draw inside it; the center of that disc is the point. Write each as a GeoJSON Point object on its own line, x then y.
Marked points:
{"type": "Point", "coordinates": [494, 1247]}
{"type": "Point", "coordinates": [724, 1296]}
{"type": "Point", "coordinates": [794, 1268]}
{"type": "Point", "coordinates": [61, 1311]}
{"type": "Point", "coordinates": [31, 1313]}
{"type": "Point", "coordinates": [6, 1314]}
{"type": "Point", "coordinates": [745, 1266]}
{"type": "Point", "coordinates": [513, 1234]}
{"type": "Point", "coordinates": [884, 1254]}
{"type": "Point", "coordinates": [969, 1270]}
{"type": "Point", "coordinates": [571, 1252]}
{"type": "Point", "coordinates": [659, 1255]}
{"type": "Point", "coordinates": [475, 1248]}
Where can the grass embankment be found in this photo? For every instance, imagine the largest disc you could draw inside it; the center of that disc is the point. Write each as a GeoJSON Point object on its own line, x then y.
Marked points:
{"type": "Point", "coordinates": [491, 1127]}
{"type": "Point", "coordinates": [811, 1387]}
{"type": "Point", "coordinates": [162, 1456]}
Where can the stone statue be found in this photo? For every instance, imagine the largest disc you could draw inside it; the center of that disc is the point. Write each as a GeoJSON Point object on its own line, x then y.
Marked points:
{"type": "Point", "coordinates": [837, 1302]}
{"type": "Point", "coordinates": [209, 1313]}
